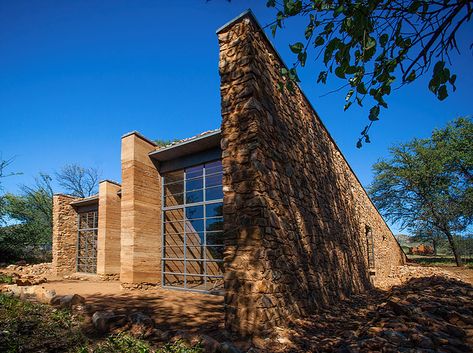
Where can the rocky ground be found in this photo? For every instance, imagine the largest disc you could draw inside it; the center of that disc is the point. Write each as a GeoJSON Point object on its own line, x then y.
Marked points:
{"type": "Point", "coordinates": [417, 309]}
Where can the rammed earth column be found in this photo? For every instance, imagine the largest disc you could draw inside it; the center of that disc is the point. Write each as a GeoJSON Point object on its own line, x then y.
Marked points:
{"type": "Point", "coordinates": [140, 213]}
{"type": "Point", "coordinates": [108, 238]}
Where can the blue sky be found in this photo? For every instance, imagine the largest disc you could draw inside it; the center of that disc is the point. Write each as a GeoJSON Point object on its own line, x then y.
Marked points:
{"type": "Point", "coordinates": [76, 75]}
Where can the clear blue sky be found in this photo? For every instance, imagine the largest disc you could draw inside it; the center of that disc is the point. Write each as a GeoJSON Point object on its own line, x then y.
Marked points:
{"type": "Point", "coordinates": [76, 75]}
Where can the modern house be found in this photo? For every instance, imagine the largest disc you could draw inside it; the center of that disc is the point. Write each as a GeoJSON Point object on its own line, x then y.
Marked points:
{"type": "Point", "coordinates": [264, 210]}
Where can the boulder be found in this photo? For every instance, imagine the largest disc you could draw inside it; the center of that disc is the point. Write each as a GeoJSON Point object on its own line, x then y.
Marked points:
{"type": "Point", "coordinates": [67, 301]}
{"type": "Point", "coordinates": [106, 321]}
{"type": "Point", "coordinates": [44, 295]}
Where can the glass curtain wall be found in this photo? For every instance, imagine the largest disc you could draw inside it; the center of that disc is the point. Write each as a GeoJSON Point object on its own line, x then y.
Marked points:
{"type": "Point", "coordinates": [193, 228]}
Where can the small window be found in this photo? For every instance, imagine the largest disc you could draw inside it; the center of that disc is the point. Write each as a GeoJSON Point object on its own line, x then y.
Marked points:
{"type": "Point", "coordinates": [370, 247]}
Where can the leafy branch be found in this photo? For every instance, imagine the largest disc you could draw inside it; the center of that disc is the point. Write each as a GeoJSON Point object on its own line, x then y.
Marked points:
{"type": "Point", "coordinates": [377, 46]}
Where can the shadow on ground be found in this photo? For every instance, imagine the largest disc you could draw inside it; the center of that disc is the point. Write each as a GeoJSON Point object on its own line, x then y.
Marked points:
{"type": "Point", "coordinates": [432, 314]}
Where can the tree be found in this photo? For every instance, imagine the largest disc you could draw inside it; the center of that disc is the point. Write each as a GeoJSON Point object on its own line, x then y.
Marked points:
{"type": "Point", "coordinates": [376, 46]}
{"type": "Point", "coordinates": [428, 234]}
{"type": "Point", "coordinates": [29, 225]}
{"type": "Point", "coordinates": [427, 183]}
{"type": "Point", "coordinates": [78, 181]}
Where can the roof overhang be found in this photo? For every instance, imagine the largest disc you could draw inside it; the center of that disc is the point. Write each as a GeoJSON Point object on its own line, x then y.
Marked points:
{"type": "Point", "coordinates": [188, 147]}
{"type": "Point", "coordinates": [88, 201]}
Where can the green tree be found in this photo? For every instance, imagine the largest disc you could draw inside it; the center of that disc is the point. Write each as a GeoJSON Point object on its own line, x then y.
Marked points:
{"type": "Point", "coordinates": [428, 182]}
{"type": "Point", "coordinates": [29, 220]}
{"type": "Point", "coordinates": [376, 46]}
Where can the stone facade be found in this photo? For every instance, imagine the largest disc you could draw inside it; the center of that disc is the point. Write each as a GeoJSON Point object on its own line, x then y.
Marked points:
{"type": "Point", "coordinates": [64, 235]}
{"type": "Point", "coordinates": [108, 240]}
{"type": "Point", "coordinates": [295, 215]}
{"type": "Point", "coordinates": [140, 212]}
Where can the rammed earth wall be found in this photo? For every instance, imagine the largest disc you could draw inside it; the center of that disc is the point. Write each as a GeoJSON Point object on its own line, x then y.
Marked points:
{"type": "Point", "coordinates": [295, 214]}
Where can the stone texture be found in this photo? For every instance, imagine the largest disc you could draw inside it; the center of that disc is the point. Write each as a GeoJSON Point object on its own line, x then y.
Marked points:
{"type": "Point", "coordinates": [109, 229]}
{"type": "Point", "coordinates": [295, 214]}
{"type": "Point", "coordinates": [140, 213]}
{"type": "Point", "coordinates": [64, 235]}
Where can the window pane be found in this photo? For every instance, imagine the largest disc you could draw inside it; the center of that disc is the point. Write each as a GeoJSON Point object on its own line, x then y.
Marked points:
{"type": "Point", "coordinates": [194, 172]}
{"type": "Point", "coordinates": [174, 266]}
{"type": "Point", "coordinates": [174, 227]}
{"type": "Point", "coordinates": [213, 209]}
{"type": "Point", "coordinates": [174, 200]}
{"type": "Point", "coordinates": [176, 188]}
{"type": "Point", "coordinates": [172, 177]}
{"type": "Point", "coordinates": [173, 280]}
{"type": "Point", "coordinates": [174, 240]}
{"type": "Point", "coordinates": [174, 215]}
{"type": "Point", "coordinates": [194, 196]}
{"type": "Point", "coordinates": [194, 184]}
{"type": "Point", "coordinates": [213, 167]}
{"type": "Point", "coordinates": [214, 238]}
{"type": "Point", "coordinates": [214, 252]}
{"type": "Point", "coordinates": [176, 252]}
{"type": "Point", "coordinates": [214, 193]}
{"type": "Point", "coordinates": [213, 224]}
{"type": "Point", "coordinates": [195, 212]}
{"type": "Point", "coordinates": [195, 252]}
{"type": "Point", "coordinates": [194, 239]}
{"type": "Point", "coordinates": [196, 282]}
{"type": "Point", "coordinates": [214, 268]}
{"type": "Point", "coordinates": [213, 180]}
{"type": "Point", "coordinates": [195, 225]}
{"type": "Point", "coordinates": [195, 267]}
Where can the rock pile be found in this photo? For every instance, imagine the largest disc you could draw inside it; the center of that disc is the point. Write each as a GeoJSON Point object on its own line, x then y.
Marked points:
{"type": "Point", "coordinates": [425, 315]}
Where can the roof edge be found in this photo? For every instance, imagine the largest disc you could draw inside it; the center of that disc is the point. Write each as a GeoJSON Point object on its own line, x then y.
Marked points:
{"type": "Point", "coordinates": [185, 142]}
{"type": "Point", "coordinates": [137, 134]}
{"type": "Point", "coordinates": [246, 13]}
{"type": "Point", "coordinates": [110, 181]}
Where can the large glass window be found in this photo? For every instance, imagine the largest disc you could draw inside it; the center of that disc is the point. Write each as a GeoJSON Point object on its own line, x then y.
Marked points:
{"type": "Point", "coordinates": [193, 228]}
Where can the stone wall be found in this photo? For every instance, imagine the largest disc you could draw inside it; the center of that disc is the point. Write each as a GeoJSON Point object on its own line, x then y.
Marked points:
{"type": "Point", "coordinates": [64, 235]}
{"type": "Point", "coordinates": [109, 230]}
{"type": "Point", "coordinates": [140, 213]}
{"type": "Point", "coordinates": [295, 214]}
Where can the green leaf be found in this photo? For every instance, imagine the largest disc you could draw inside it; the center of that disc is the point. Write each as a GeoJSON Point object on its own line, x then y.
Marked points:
{"type": "Point", "coordinates": [438, 67]}
{"type": "Point", "coordinates": [297, 47]}
{"type": "Point", "coordinates": [322, 77]}
{"type": "Point", "coordinates": [412, 76]}
{"type": "Point", "coordinates": [374, 113]}
{"type": "Point", "coordinates": [361, 88]}
{"type": "Point", "coordinates": [359, 144]}
{"type": "Point", "coordinates": [383, 39]}
{"type": "Point", "coordinates": [340, 72]}
{"type": "Point", "coordinates": [319, 41]}
{"type": "Point", "coordinates": [284, 71]}
{"type": "Point", "coordinates": [442, 92]}
{"type": "Point", "coordinates": [273, 29]}
{"type": "Point", "coordinates": [271, 3]}
{"type": "Point", "coordinates": [347, 106]}
{"type": "Point", "coordinates": [302, 57]}
{"type": "Point", "coordinates": [349, 94]}
{"type": "Point", "coordinates": [338, 11]}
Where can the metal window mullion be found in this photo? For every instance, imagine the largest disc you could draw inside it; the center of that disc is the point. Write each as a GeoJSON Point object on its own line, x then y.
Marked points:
{"type": "Point", "coordinates": [205, 226]}
{"type": "Point", "coordinates": [184, 209]}
{"type": "Point", "coordinates": [163, 239]}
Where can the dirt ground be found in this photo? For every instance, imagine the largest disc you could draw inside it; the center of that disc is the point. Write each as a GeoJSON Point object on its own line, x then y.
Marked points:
{"type": "Point", "coordinates": [420, 309]}
{"type": "Point", "coordinates": [170, 309]}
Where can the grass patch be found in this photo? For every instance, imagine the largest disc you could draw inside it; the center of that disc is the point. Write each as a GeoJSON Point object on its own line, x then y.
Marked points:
{"type": "Point", "coordinates": [32, 327]}
{"type": "Point", "coordinates": [438, 260]}
{"type": "Point", "coordinates": [6, 279]}
{"type": "Point", "coordinates": [125, 343]}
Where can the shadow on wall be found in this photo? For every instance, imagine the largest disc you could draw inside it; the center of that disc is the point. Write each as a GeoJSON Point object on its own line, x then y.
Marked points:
{"type": "Point", "coordinates": [294, 239]}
